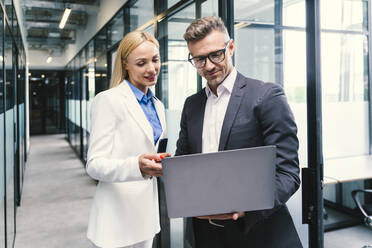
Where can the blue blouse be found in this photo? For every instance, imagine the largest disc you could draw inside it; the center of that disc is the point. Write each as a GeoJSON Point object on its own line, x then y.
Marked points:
{"type": "Point", "coordinates": [148, 107]}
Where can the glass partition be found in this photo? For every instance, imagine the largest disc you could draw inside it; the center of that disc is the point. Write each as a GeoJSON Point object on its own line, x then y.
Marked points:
{"type": "Point", "coordinates": [9, 137]}
{"type": "Point", "coordinates": [115, 29]}
{"type": "Point", "coordinates": [345, 89]}
{"type": "Point", "coordinates": [2, 135]}
{"type": "Point", "coordinates": [140, 12]}
{"type": "Point", "coordinates": [100, 66]}
{"type": "Point", "coordinates": [267, 51]}
{"type": "Point", "coordinates": [254, 11]}
{"type": "Point", "coordinates": [344, 15]}
{"type": "Point", "coordinates": [178, 81]}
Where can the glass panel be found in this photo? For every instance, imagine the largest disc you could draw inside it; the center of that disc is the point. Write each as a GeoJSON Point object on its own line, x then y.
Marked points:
{"type": "Point", "coordinates": [254, 11]}
{"type": "Point", "coordinates": [170, 3]}
{"type": "Point", "coordinates": [268, 54]}
{"type": "Point", "coordinates": [77, 100]}
{"type": "Point", "coordinates": [37, 104]}
{"type": "Point", "coordinates": [52, 94]}
{"type": "Point", "coordinates": [294, 56]}
{"type": "Point", "coordinates": [2, 133]}
{"type": "Point", "coordinates": [140, 13]}
{"type": "Point", "coordinates": [116, 29]}
{"type": "Point", "coordinates": [100, 48]}
{"type": "Point", "coordinates": [176, 74]}
{"type": "Point", "coordinates": [209, 8]}
{"type": "Point", "coordinates": [9, 115]}
{"type": "Point", "coordinates": [345, 94]}
{"type": "Point", "coordinates": [258, 45]}
{"type": "Point", "coordinates": [294, 13]}
{"type": "Point", "coordinates": [344, 14]}
{"type": "Point", "coordinates": [46, 96]}
{"type": "Point", "coordinates": [84, 97]}
{"type": "Point", "coordinates": [72, 103]}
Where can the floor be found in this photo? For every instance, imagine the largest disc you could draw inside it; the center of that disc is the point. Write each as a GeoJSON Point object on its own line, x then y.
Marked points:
{"type": "Point", "coordinates": [56, 197]}
{"type": "Point", "coordinates": [351, 237]}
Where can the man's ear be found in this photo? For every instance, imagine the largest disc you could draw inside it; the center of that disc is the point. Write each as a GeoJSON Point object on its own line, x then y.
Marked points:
{"type": "Point", "coordinates": [232, 47]}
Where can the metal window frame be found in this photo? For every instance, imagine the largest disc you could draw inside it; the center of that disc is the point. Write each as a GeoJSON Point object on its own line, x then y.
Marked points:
{"type": "Point", "coordinates": [312, 189]}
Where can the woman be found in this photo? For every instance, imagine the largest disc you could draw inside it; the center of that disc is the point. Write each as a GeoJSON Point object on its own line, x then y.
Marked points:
{"type": "Point", "coordinates": [127, 123]}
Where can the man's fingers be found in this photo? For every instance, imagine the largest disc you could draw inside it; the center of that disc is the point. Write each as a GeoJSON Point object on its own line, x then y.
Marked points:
{"type": "Point", "coordinates": [203, 217]}
{"type": "Point", "coordinates": [233, 216]}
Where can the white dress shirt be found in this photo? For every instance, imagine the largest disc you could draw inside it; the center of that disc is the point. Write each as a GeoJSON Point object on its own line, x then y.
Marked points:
{"type": "Point", "coordinates": [215, 110]}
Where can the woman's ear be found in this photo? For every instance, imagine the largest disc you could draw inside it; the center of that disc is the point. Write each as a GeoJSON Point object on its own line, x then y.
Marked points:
{"type": "Point", "coordinates": [124, 65]}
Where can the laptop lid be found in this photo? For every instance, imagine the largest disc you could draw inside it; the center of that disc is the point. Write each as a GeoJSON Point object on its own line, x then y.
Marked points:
{"type": "Point", "coordinates": [221, 182]}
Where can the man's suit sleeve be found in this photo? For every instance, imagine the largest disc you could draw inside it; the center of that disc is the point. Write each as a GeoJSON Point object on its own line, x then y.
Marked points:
{"type": "Point", "coordinates": [278, 128]}
{"type": "Point", "coordinates": [182, 142]}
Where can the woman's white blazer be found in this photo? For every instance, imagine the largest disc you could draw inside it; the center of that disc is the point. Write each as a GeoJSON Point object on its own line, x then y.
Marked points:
{"type": "Point", "coordinates": [125, 206]}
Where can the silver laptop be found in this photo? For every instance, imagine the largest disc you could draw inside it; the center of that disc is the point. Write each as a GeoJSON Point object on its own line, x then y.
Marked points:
{"type": "Point", "coordinates": [221, 182]}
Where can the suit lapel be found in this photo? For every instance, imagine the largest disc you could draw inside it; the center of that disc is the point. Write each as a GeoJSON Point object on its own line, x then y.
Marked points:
{"type": "Point", "coordinates": [160, 111]}
{"type": "Point", "coordinates": [232, 110]}
{"type": "Point", "coordinates": [198, 122]}
{"type": "Point", "coordinates": [135, 110]}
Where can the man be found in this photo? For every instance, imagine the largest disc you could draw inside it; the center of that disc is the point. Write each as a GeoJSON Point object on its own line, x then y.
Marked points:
{"type": "Point", "coordinates": [235, 112]}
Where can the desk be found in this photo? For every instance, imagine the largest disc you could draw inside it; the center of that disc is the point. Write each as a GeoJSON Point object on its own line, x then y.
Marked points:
{"type": "Point", "coordinates": [348, 169]}
{"type": "Point", "coordinates": [342, 170]}
{"type": "Point", "coordinates": [329, 180]}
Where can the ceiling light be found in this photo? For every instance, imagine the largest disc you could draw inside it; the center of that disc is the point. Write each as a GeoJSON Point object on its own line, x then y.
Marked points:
{"type": "Point", "coordinates": [49, 59]}
{"type": "Point", "coordinates": [42, 76]}
{"type": "Point", "coordinates": [65, 16]}
{"type": "Point", "coordinates": [1, 58]}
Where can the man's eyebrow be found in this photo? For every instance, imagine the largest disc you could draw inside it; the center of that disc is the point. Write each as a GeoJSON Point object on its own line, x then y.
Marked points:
{"type": "Point", "coordinates": [205, 55]}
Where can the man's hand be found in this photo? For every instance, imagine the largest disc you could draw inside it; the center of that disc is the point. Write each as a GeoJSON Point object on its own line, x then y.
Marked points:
{"type": "Point", "coordinates": [229, 216]}
{"type": "Point", "coordinates": [148, 166]}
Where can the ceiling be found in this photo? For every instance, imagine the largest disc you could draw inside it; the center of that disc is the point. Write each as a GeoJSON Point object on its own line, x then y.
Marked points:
{"type": "Point", "coordinates": [41, 19]}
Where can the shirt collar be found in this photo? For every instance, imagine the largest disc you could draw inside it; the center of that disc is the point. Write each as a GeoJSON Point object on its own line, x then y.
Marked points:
{"type": "Point", "coordinates": [141, 97]}
{"type": "Point", "coordinates": [227, 84]}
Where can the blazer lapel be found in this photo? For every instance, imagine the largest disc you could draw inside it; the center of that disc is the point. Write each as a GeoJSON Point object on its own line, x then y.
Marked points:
{"type": "Point", "coordinates": [135, 110]}
{"type": "Point", "coordinates": [160, 111]}
{"type": "Point", "coordinates": [199, 110]}
{"type": "Point", "coordinates": [232, 110]}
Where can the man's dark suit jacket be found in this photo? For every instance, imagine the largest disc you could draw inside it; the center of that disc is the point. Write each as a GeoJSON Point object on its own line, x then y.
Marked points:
{"type": "Point", "coordinates": [257, 114]}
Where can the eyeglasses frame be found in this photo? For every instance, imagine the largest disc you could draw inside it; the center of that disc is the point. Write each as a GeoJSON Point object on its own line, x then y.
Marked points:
{"type": "Point", "coordinates": [208, 56]}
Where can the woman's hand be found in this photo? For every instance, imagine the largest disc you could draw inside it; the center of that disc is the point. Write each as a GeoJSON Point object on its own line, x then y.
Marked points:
{"type": "Point", "coordinates": [149, 166]}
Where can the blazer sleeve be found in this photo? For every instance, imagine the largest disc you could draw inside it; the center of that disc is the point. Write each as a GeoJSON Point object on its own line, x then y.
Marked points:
{"type": "Point", "coordinates": [182, 142]}
{"type": "Point", "coordinates": [278, 128]}
{"type": "Point", "coordinates": [100, 165]}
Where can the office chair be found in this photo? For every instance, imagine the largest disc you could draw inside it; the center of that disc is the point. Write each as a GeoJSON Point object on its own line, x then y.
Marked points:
{"type": "Point", "coordinates": [366, 210]}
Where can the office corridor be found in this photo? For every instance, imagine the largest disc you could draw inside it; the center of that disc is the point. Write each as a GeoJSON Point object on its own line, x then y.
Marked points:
{"type": "Point", "coordinates": [56, 197]}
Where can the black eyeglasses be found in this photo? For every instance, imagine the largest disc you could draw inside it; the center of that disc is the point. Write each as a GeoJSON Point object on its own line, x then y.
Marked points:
{"type": "Point", "coordinates": [214, 57]}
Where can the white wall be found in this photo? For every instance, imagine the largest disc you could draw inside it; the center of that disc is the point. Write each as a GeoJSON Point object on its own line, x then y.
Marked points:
{"type": "Point", "coordinates": [107, 9]}
{"type": "Point", "coordinates": [37, 60]}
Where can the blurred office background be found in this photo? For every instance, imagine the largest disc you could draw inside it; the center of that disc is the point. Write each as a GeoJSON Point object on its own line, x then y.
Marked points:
{"type": "Point", "coordinates": [49, 76]}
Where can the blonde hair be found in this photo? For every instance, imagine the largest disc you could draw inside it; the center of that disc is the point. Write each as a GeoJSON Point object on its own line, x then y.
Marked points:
{"type": "Point", "coordinates": [130, 42]}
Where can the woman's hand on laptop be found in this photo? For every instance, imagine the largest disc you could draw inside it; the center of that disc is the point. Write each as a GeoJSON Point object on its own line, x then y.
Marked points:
{"type": "Point", "coordinates": [148, 166]}
{"type": "Point", "coordinates": [228, 216]}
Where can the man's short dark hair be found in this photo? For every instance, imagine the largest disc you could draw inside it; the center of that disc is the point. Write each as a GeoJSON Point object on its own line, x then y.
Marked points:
{"type": "Point", "coordinates": [200, 28]}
